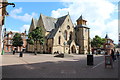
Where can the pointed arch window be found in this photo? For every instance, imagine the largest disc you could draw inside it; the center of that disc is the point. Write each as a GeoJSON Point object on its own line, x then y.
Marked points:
{"type": "Point", "coordinates": [65, 35]}
{"type": "Point", "coordinates": [70, 38]}
{"type": "Point", "coordinates": [59, 40]}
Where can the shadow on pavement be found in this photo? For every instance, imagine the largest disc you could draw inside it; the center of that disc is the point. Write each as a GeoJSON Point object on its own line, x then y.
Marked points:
{"type": "Point", "coordinates": [62, 69]}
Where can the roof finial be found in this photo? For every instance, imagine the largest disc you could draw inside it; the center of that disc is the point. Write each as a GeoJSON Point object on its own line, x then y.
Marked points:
{"type": "Point", "coordinates": [106, 36]}
{"type": "Point", "coordinates": [68, 12]}
{"type": "Point", "coordinates": [25, 31]}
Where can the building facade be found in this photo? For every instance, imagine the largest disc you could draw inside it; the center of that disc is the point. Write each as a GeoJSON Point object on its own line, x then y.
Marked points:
{"type": "Point", "coordinates": [61, 35]}
{"type": "Point", "coordinates": [108, 45]}
{"type": "Point", "coordinates": [8, 42]}
{"type": "Point", "coordinates": [2, 17]}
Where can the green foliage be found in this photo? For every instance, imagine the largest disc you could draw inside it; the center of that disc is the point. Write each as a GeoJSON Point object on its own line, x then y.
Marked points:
{"type": "Point", "coordinates": [17, 40]}
{"type": "Point", "coordinates": [97, 42]}
{"type": "Point", "coordinates": [30, 41]}
{"type": "Point", "coordinates": [36, 35]}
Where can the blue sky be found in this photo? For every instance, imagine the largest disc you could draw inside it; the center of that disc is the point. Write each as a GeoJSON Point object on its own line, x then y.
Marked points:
{"type": "Point", "coordinates": [102, 15]}
{"type": "Point", "coordinates": [29, 7]}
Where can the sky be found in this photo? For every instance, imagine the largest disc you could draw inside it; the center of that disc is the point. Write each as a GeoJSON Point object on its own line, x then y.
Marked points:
{"type": "Point", "coordinates": [102, 15]}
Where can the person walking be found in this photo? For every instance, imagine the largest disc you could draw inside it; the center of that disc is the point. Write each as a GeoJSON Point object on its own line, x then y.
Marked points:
{"type": "Point", "coordinates": [13, 52]}
{"type": "Point", "coordinates": [117, 53]}
{"type": "Point", "coordinates": [112, 55]}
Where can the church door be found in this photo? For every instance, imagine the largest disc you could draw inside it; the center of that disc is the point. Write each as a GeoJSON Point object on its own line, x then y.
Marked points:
{"type": "Point", "coordinates": [73, 49]}
{"type": "Point", "coordinates": [50, 50]}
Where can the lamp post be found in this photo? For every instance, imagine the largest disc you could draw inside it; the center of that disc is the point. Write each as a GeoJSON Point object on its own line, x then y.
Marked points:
{"type": "Point", "coordinates": [64, 46]}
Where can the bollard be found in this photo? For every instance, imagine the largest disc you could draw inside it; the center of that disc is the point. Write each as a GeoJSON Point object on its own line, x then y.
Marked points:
{"type": "Point", "coordinates": [21, 54]}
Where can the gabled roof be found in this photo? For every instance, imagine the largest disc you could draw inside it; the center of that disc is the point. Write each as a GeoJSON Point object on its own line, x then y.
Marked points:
{"type": "Point", "coordinates": [57, 25]}
{"type": "Point", "coordinates": [49, 22]}
{"type": "Point", "coordinates": [81, 18]}
{"type": "Point", "coordinates": [52, 33]}
{"type": "Point", "coordinates": [60, 20]}
{"type": "Point", "coordinates": [35, 22]}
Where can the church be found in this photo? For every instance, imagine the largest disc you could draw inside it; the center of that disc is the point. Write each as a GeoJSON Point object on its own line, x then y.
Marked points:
{"type": "Point", "coordinates": [61, 35]}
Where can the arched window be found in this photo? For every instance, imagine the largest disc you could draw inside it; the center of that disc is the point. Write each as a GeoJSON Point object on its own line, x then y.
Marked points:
{"type": "Point", "coordinates": [65, 35]}
{"type": "Point", "coordinates": [70, 38]}
{"type": "Point", "coordinates": [59, 39]}
{"type": "Point", "coordinates": [68, 27]}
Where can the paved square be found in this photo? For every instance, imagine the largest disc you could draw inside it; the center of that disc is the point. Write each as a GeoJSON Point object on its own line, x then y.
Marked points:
{"type": "Point", "coordinates": [48, 66]}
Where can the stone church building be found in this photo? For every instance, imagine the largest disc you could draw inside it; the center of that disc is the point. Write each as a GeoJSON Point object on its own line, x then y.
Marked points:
{"type": "Point", "coordinates": [61, 35]}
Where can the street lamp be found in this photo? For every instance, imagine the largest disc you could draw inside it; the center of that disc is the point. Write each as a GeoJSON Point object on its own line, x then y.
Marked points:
{"type": "Point", "coordinates": [6, 4]}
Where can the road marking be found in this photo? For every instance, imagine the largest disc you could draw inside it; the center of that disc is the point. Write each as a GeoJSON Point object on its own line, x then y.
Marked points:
{"type": "Point", "coordinates": [97, 65]}
{"type": "Point", "coordinates": [68, 72]}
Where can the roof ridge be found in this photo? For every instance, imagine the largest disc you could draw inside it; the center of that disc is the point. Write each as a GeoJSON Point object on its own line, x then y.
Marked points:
{"type": "Point", "coordinates": [47, 16]}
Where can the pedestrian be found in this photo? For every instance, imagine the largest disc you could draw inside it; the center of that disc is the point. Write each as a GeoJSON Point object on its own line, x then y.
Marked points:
{"type": "Point", "coordinates": [112, 55]}
{"type": "Point", "coordinates": [13, 52]}
{"type": "Point", "coordinates": [117, 53]}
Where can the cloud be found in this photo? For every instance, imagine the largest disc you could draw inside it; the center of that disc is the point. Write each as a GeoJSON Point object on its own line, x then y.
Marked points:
{"type": "Point", "coordinates": [26, 17]}
{"type": "Point", "coordinates": [24, 27]}
{"type": "Point", "coordinates": [98, 13]}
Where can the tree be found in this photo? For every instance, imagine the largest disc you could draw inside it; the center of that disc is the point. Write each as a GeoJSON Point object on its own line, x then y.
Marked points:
{"type": "Point", "coordinates": [36, 36]}
{"type": "Point", "coordinates": [17, 40]}
{"type": "Point", "coordinates": [97, 42]}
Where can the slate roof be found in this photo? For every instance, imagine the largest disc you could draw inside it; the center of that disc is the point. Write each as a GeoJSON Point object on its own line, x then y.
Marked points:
{"type": "Point", "coordinates": [81, 18]}
{"type": "Point", "coordinates": [60, 21]}
{"type": "Point", "coordinates": [82, 26]}
{"type": "Point", "coordinates": [52, 33]}
{"type": "Point", "coordinates": [49, 22]}
{"type": "Point", "coordinates": [69, 42]}
{"type": "Point", "coordinates": [54, 27]}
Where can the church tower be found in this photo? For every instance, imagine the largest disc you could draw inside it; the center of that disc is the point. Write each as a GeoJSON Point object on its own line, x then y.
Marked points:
{"type": "Point", "coordinates": [82, 33]}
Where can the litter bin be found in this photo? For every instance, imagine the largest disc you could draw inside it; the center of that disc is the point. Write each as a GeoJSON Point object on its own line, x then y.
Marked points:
{"type": "Point", "coordinates": [21, 54]}
{"type": "Point", "coordinates": [89, 59]}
